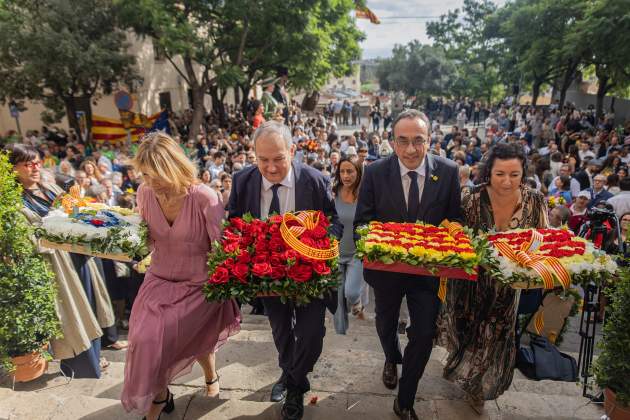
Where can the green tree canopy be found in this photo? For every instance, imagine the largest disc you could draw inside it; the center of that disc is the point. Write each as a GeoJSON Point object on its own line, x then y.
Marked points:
{"type": "Point", "coordinates": [417, 70]}
{"type": "Point", "coordinates": [63, 53]}
{"type": "Point", "coordinates": [237, 43]}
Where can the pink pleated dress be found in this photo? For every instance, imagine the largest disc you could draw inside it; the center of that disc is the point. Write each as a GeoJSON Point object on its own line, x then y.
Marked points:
{"type": "Point", "coordinates": [171, 323]}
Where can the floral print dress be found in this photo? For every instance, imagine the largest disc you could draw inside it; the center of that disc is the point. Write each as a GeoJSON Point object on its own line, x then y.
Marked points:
{"type": "Point", "coordinates": [478, 320]}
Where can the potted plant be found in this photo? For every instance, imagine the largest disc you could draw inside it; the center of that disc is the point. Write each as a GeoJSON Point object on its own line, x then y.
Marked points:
{"type": "Point", "coordinates": [28, 319]}
{"type": "Point", "coordinates": [612, 367]}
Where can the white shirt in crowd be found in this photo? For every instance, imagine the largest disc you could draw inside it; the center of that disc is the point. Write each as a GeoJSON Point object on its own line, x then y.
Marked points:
{"type": "Point", "coordinates": [406, 180]}
{"type": "Point", "coordinates": [286, 194]}
{"type": "Point", "coordinates": [620, 203]}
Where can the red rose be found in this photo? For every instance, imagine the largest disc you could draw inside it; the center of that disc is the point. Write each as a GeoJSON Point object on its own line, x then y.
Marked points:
{"type": "Point", "coordinates": [275, 220]}
{"type": "Point", "coordinates": [261, 269]}
{"type": "Point", "coordinates": [321, 268]}
{"type": "Point", "coordinates": [238, 223]}
{"type": "Point", "coordinates": [278, 272]}
{"type": "Point", "coordinates": [274, 229]}
{"type": "Point", "coordinates": [290, 254]}
{"type": "Point", "coordinates": [97, 222]}
{"type": "Point", "coordinates": [323, 220]}
{"type": "Point", "coordinates": [247, 240]}
{"type": "Point", "coordinates": [276, 245]}
{"type": "Point", "coordinates": [220, 276]}
{"type": "Point", "coordinates": [243, 257]}
{"type": "Point", "coordinates": [228, 264]}
{"type": "Point", "coordinates": [277, 259]}
{"type": "Point", "coordinates": [241, 271]}
{"type": "Point", "coordinates": [261, 246]}
{"type": "Point", "coordinates": [300, 273]}
{"type": "Point", "coordinates": [231, 247]}
{"type": "Point", "coordinates": [260, 258]}
{"type": "Point", "coordinates": [231, 236]}
{"type": "Point", "coordinates": [319, 232]}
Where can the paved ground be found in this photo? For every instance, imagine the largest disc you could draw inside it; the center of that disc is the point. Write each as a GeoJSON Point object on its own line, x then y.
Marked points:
{"type": "Point", "coordinates": [346, 382]}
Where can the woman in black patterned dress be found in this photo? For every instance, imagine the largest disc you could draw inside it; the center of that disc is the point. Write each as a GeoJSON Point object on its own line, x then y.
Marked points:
{"type": "Point", "coordinates": [478, 321]}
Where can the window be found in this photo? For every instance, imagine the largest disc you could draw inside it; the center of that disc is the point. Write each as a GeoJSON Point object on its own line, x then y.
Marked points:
{"type": "Point", "coordinates": [165, 100]}
{"type": "Point", "coordinates": [158, 52]}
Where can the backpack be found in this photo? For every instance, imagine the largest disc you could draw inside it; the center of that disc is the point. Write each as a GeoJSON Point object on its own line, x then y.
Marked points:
{"type": "Point", "coordinates": [542, 360]}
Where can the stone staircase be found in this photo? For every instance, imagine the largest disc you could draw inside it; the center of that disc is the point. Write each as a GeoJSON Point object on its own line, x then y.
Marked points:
{"type": "Point", "coordinates": [346, 385]}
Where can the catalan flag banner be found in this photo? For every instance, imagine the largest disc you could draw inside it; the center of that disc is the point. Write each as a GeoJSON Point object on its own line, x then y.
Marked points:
{"type": "Point", "coordinates": [113, 130]}
{"type": "Point", "coordinates": [363, 12]}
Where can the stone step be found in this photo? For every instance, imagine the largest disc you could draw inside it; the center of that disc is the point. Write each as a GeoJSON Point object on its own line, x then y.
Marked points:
{"type": "Point", "coordinates": [190, 404]}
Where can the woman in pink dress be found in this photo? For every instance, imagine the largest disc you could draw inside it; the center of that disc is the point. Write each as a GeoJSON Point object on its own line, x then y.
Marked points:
{"type": "Point", "coordinates": [171, 323]}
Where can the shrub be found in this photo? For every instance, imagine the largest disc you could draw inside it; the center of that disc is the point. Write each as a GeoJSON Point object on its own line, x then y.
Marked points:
{"type": "Point", "coordinates": [612, 367]}
{"type": "Point", "coordinates": [28, 319]}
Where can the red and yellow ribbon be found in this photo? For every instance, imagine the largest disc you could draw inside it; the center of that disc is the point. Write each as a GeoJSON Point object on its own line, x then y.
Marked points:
{"type": "Point", "coordinates": [306, 220]}
{"type": "Point", "coordinates": [546, 267]}
{"type": "Point", "coordinates": [453, 228]}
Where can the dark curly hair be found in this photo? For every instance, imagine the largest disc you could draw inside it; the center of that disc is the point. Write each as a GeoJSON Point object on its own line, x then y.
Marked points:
{"type": "Point", "coordinates": [503, 151]}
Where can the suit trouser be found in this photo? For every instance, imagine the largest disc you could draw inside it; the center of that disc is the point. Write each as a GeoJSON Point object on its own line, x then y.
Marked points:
{"type": "Point", "coordinates": [298, 333]}
{"type": "Point", "coordinates": [424, 305]}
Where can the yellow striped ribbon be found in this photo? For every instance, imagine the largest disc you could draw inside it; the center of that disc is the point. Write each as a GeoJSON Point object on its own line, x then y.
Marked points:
{"type": "Point", "coordinates": [546, 267]}
{"type": "Point", "coordinates": [307, 220]}
{"type": "Point", "coordinates": [539, 322]}
{"type": "Point", "coordinates": [453, 229]}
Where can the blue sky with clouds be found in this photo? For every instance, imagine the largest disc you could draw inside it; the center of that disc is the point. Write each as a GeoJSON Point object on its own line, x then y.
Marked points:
{"type": "Point", "coordinates": [396, 28]}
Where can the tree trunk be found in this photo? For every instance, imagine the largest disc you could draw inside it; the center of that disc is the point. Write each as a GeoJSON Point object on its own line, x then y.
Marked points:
{"type": "Point", "coordinates": [569, 76]}
{"type": "Point", "coordinates": [602, 88]}
{"type": "Point", "coordinates": [198, 92]}
{"type": "Point", "coordinates": [245, 99]}
{"type": "Point", "coordinates": [612, 104]}
{"type": "Point", "coordinates": [217, 104]}
{"type": "Point", "coordinates": [71, 113]}
{"type": "Point", "coordinates": [237, 97]}
{"type": "Point", "coordinates": [198, 112]}
{"type": "Point", "coordinates": [535, 92]}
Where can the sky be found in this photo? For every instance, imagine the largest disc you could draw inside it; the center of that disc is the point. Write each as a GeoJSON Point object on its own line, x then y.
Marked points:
{"type": "Point", "coordinates": [401, 22]}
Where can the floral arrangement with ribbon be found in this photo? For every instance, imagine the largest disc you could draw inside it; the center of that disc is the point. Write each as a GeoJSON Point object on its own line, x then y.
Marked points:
{"type": "Point", "coordinates": [445, 251]}
{"type": "Point", "coordinates": [96, 227]}
{"type": "Point", "coordinates": [291, 256]}
{"type": "Point", "coordinates": [548, 258]}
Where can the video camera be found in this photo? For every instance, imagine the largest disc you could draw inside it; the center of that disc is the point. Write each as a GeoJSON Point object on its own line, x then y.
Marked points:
{"type": "Point", "coordinates": [602, 228]}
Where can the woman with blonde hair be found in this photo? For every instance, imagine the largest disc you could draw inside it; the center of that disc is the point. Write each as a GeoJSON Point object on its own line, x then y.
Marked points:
{"type": "Point", "coordinates": [170, 313]}
{"type": "Point", "coordinates": [91, 170]}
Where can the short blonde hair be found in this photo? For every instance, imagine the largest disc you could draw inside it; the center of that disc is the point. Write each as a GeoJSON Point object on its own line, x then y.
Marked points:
{"type": "Point", "coordinates": [161, 156]}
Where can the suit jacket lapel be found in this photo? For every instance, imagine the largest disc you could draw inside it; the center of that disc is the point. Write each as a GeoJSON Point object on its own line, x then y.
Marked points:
{"type": "Point", "coordinates": [254, 196]}
{"type": "Point", "coordinates": [395, 183]}
{"type": "Point", "coordinates": [430, 190]}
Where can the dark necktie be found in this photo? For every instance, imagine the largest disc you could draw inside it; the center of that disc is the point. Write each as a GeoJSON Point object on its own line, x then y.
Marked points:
{"type": "Point", "coordinates": [413, 201]}
{"type": "Point", "coordinates": [275, 201]}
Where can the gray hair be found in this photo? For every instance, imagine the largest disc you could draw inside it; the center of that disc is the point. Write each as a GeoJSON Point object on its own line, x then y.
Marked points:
{"type": "Point", "coordinates": [412, 114]}
{"type": "Point", "coordinates": [276, 128]}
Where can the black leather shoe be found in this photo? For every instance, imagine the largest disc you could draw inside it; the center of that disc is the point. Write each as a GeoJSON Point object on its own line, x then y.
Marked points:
{"type": "Point", "coordinates": [390, 375]}
{"type": "Point", "coordinates": [404, 414]}
{"type": "Point", "coordinates": [293, 408]}
{"type": "Point", "coordinates": [278, 392]}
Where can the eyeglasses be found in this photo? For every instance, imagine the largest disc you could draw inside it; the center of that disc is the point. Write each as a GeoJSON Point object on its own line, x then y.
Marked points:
{"type": "Point", "coordinates": [33, 165]}
{"type": "Point", "coordinates": [416, 142]}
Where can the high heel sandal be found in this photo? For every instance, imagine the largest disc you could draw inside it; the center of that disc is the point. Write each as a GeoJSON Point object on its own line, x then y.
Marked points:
{"type": "Point", "coordinates": [212, 382]}
{"type": "Point", "coordinates": [168, 408]}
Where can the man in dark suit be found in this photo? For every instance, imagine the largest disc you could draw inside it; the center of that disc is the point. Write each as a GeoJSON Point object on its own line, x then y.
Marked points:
{"type": "Point", "coordinates": [408, 186]}
{"type": "Point", "coordinates": [279, 185]}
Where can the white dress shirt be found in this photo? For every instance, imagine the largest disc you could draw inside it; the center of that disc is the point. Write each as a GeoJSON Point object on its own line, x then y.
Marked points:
{"type": "Point", "coordinates": [286, 194]}
{"type": "Point", "coordinates": [406, 180]}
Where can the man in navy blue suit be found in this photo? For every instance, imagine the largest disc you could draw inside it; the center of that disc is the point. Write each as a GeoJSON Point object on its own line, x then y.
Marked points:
{"type": "Point", "coordinates": [409, 186]}
{"type": "Point", "coordinates": [279, 185]}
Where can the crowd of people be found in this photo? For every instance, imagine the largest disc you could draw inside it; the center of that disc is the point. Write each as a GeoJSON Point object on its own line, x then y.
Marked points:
{"type": "Point", "coordinates": [515, 167]}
